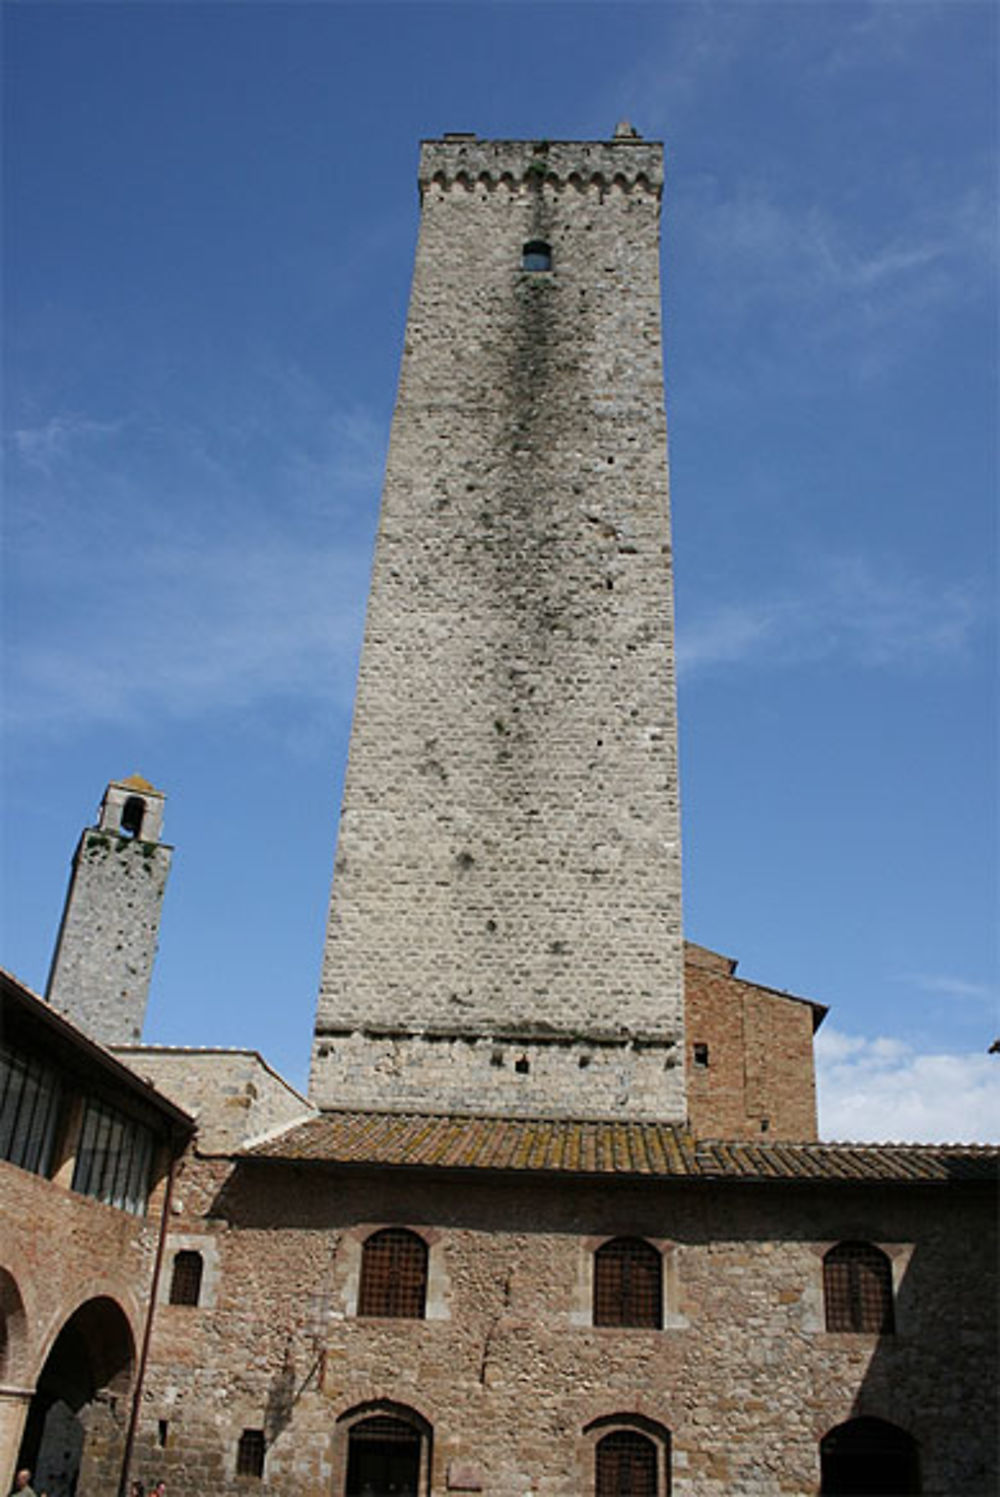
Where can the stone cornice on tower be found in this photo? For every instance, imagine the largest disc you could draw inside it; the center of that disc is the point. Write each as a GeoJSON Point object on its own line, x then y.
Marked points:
{"type": "Point", "coordinates": [624, 164]}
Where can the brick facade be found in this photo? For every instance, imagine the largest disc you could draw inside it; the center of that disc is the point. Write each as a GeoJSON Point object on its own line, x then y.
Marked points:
{"type": "Point", "coordinates": [749, 1053]}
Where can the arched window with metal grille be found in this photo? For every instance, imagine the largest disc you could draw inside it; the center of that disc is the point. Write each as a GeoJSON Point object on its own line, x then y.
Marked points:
{"type": "Point", "coordinates": [626, 1465]}
{"type": "Point", "coordinates": [185, 1281]}
{"type": "Point", "coordinates": [393, 1275]}
{"type": "Point", "coordinates": [628, 1284]}
{"type": "Point", "coordinates": [857, 1289]}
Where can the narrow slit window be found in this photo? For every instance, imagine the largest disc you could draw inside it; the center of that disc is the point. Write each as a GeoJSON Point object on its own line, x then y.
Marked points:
{"type": "Point", "coordinates": [701, 1056]}
{"type": "Point", "coordinates": [536, 255]}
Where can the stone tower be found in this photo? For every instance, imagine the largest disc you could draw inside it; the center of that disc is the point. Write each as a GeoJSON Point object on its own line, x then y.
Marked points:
{"type": "Point", "coordinates": [505, 926]}
{"type": "Point", "coordinates": [103, 959]}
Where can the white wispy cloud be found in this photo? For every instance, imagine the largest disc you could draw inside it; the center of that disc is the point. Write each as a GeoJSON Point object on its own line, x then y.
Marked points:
{"type": "Point", "coordinates": [881, 1090]}
{"type": "Point", "coordinates": [791, 253]}
{"type": "Point", "coordinates": [203, 629]}
{"type": "Point", "coordinates": [58, 439]}
{"type": "Point", "coordinates": [949, 986]}
{"type": "Point", "coordinates": [872, 614]}
{"type": "Point", "coordinates": [159, 568]}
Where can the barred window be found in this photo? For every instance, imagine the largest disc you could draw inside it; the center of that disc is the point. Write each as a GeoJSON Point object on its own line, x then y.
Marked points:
{"type": "Point", "coordinates": [393, 1275]}
{"type": "Point", "coordinates": [185, 1282]}
{"type": "Point", "coordinates": [628, 1284]}
{"type": "Point", "coordinates": [29, 1105]}
{"type": "Point", "coordinates": [857, 1288]}
{"type": "Point", "coordinates": [250, 1453]}
{"type": "Point", "coordinates": [114, 1159]}
{"type": "Point", "coordinates": [384, 1455]}
{"type": "Point", "coordinates": [625, 1466]}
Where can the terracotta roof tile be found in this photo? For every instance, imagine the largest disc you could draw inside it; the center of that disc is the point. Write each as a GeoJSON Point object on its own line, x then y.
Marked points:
{"type": "Point", "coordinates": [567, 1146]}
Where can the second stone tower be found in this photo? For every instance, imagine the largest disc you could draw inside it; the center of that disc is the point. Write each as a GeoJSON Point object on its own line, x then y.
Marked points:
{"type": "Point", "coordinates": [505, 926]}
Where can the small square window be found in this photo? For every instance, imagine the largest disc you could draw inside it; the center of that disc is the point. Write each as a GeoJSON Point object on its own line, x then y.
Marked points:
{"type": "Point", "coordinates": [250, 1453]}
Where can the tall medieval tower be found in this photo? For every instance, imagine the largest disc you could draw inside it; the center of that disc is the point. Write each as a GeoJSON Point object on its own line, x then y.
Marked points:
{"type": "Point", "coordinates": [505, 926]}
{"type": "Point", "coordinates": [103, 960]}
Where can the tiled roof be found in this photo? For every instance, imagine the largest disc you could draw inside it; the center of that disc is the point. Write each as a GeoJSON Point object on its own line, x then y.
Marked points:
{"type": "Point", "coordinates": [565, 1146]}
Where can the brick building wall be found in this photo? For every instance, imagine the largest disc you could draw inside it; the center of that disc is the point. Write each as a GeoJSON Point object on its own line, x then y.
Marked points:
{"type": "Point", "coordinates": [749, 1054]}
{"type": "Point", "coordinates": [508, 1372]}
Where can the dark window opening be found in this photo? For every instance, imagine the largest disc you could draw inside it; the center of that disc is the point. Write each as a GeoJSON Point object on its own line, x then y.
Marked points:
{"type": "Point", "coordinates": [393, 1275]}
{"type": "Point", "coordinates": [115, 1158]}
{"type": "Point", "coordinates": [628, 1284]}
{"type": "Point", "coordinates": [625, 1466]}
{"type": "Point", "coordinates": [29, 1106]}
{"type": "Point", "coordinates": [185, 1285]}
{"type": "Point", "coordinates": [701, 1055]}
{"type": "Point", "coordinates": [869, 1458]}
{"type": "Point", "coordinates": [522, 1065]}
{"type": "Point", "coordinates": [857, 1289]}
{"type": "Point", "coordinates": [250, 1453]}
{"type": "Point", "coordinates": [383, 1458]}
{"type": "Point", "coordinates": [162, 1430]}
{"type": "Point", "coordinates": [133, 812]}
{"type": "Point", "coordinates": [536, 255]}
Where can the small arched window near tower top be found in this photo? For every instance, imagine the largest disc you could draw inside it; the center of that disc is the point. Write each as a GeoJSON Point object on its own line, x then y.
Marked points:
{"type": "Point", "coordinates": [536, 255]}
{"type": "Point", "coordinates": [133, 812]}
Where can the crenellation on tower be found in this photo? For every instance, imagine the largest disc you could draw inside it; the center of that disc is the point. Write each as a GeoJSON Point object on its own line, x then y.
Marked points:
{"type": "Point", "coordinates": [509, 856]}
{"type": "Point", "coordinates": [103, 959]}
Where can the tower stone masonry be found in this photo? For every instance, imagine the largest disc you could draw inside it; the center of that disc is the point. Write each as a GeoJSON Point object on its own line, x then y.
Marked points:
{"type": "Point", "coordinates": [505, 925]}
{"type": "Point", "coordinates": [104, 954]}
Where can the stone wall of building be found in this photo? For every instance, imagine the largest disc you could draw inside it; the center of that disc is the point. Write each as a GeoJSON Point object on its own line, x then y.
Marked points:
{"type": "Point", "coordinates": [750, 1071]}
{"type": "Point", "coordinates": [234, 1095]}
{"type": "Point", "coordinates": [508, 858]}
{"type": "Point", "coordinates": [507, 1374]}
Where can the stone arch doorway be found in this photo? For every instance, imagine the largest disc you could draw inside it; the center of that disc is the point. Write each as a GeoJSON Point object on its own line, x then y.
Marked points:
{"type": "Point", "coordinates": [869, 1458]}
{"type": "Point", "coordinates": [386, 1452]}
{"type": "Point", "coordinates": [79, 1411]}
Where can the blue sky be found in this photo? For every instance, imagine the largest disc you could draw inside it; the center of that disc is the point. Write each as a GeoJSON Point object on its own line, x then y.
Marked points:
{"type": "Point", "coordinates": [210, 215]}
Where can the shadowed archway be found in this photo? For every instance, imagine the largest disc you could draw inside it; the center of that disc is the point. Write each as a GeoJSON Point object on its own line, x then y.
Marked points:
{"type": "Point", "coordinates": [869, 1458]}
{"type": "Point", "coordinates": [79, 1410]}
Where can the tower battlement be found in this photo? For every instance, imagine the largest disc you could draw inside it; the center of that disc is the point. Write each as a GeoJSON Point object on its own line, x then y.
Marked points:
{"type": "Point", "coordinates": [625, 163]}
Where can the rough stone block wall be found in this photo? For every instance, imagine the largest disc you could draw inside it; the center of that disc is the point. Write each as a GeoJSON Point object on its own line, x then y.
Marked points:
{"type": "Point", "coordinates": [760, 1078]}
{"type": "Point", "coordinates": [233, 1094]}
{"type": "Point", "coordinates": [509, 1372]}
{"type": "Point", "coordinates": [508, 857]}
{"type": "Point", "coordinates": [107, 942]}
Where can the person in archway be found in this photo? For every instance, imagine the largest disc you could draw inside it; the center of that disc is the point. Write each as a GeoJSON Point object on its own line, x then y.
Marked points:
{"type": "Point", "coordinates": [22, 1483]}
